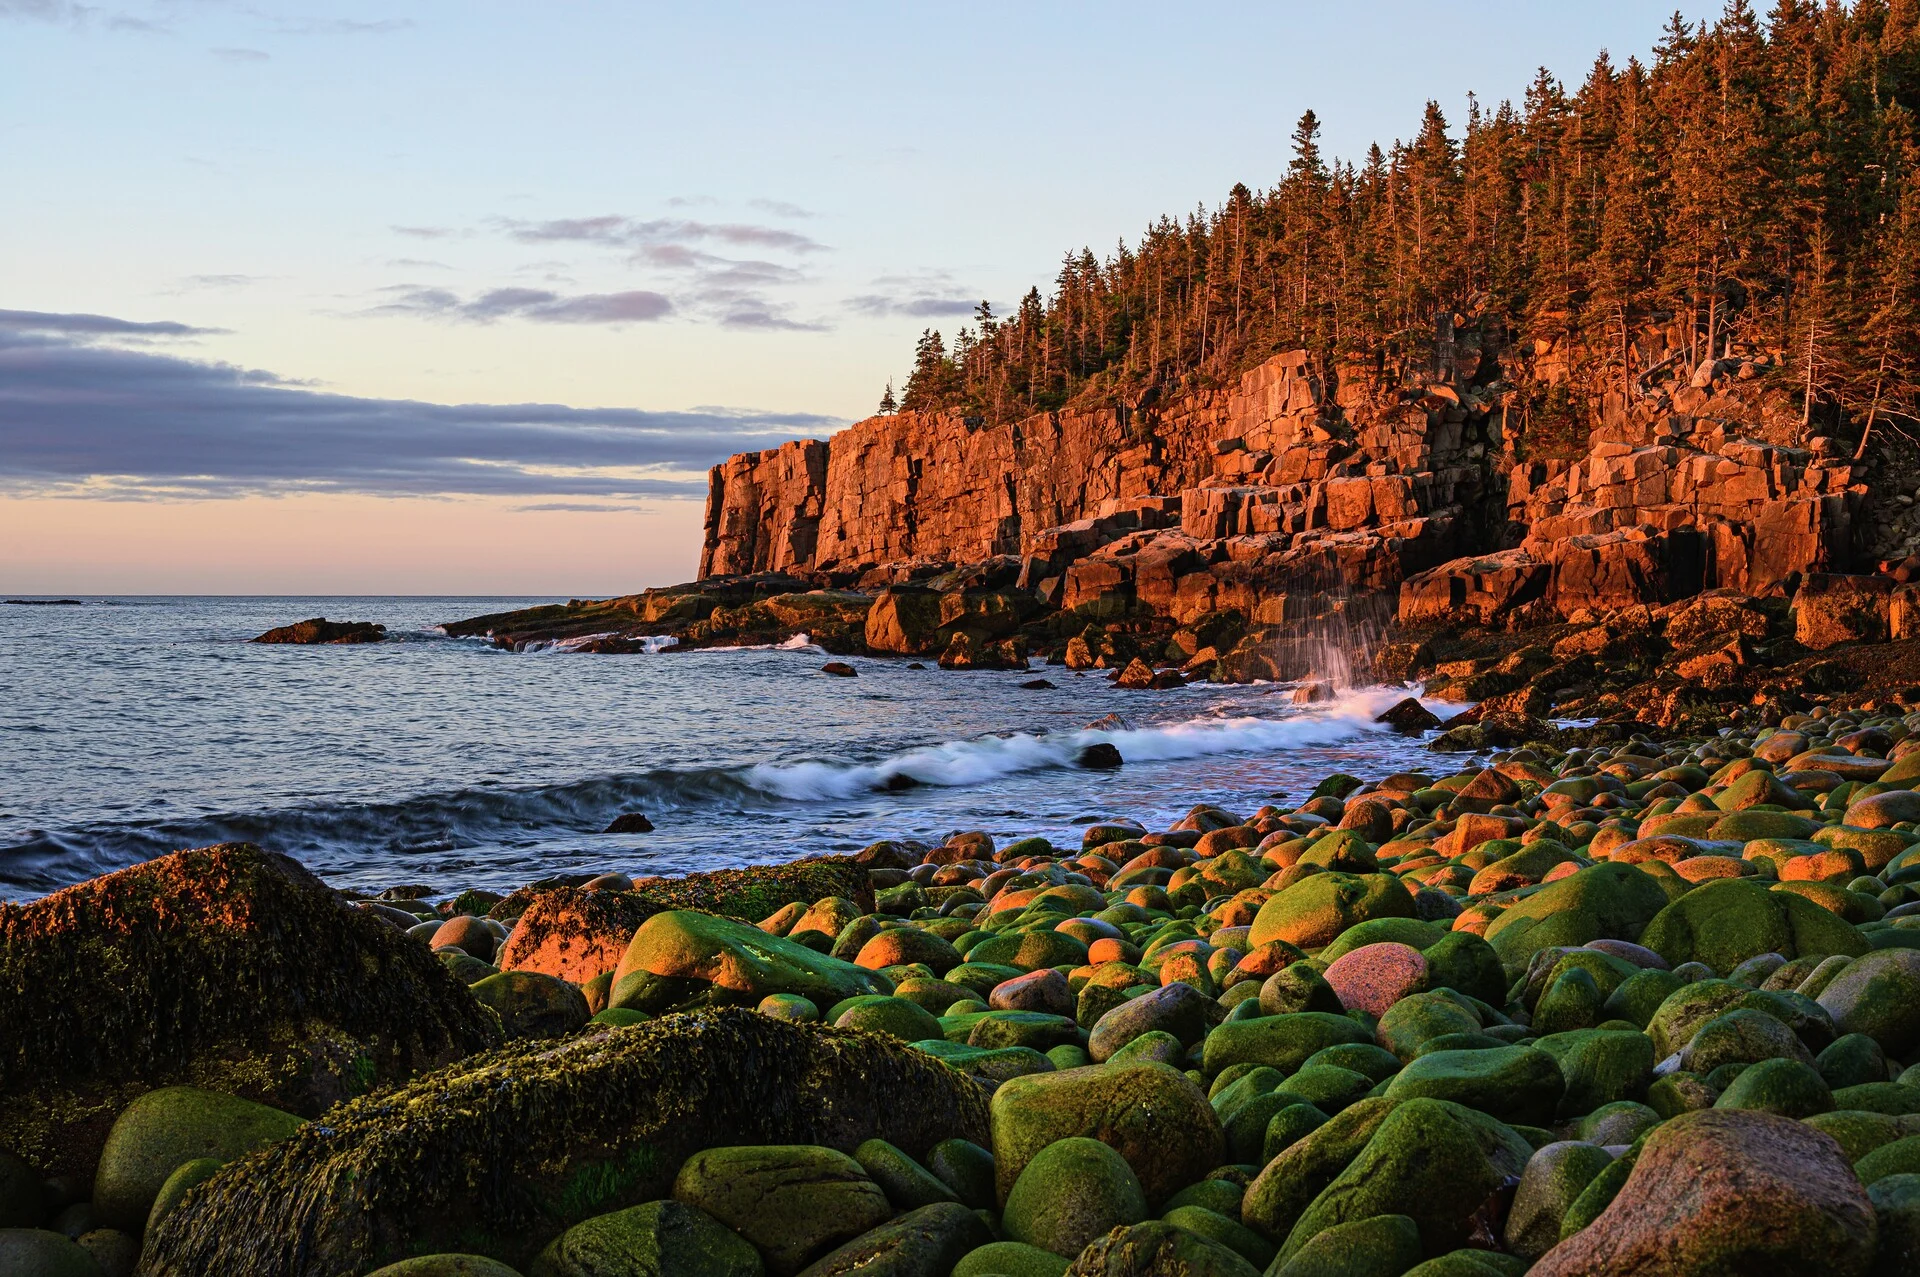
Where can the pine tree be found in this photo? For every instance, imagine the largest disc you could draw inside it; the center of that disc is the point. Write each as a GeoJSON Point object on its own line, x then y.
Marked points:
{"type": "Point", "coordinates": [887, 404]}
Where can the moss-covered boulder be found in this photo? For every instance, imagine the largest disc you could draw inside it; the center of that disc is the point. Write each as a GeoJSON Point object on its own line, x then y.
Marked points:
{"type": "Point", "coordinates": [1178, 1009]}
{"type": "Point", "coordinates": [1729, 1191]}
{"type": "Point", "coordinates": [229, 968]}
{"type": "Point", "coordinates": [1599, 1066]}
{"type": "Point", "coordinates": [1010, 1259]}
{"type": "Point", "coordinates": [1723, 923]}
{"type": "Point", "coordinates": [1314, 911]}
{"type": "Point", "coordinates": [1604, 902]}
{"type": "Point", "coordinates": [1512, 1083]}
{"type": "Point", "coordinates": [1071, 1192]}
{"type": "Point", "coordinates": [650, 1240]}
{"type": "Point", "coordinates": [532, 1005]}
{"type": "Point", "coordinates": [36, 1252]}
{"type": "Point", "coordinates": [165, 1128]}
{"type": "Point", "coordinates": [1159, 1249]}
{"type": "Point", "coordinates": [1378, 1244]}
{"type": "Point", "coordinates": [1787, 1087]}
{"type": "Point", "coordinates": [685, 959]}
{"type": "Point", "coordinates": [1555, 1175]}
{"type": "Point", "coordinates": [929, 1239]}
{"type": "Point", "coordinates": [449, 1266]}
{"type": "Point", "coordinates": [794, 1202]}
{"type": "Point", "coordinates": [1295, 1176]}
{"type": "Point", "coordinates": [1431, 1160]}
{"type": "Point", "coordinates": [503, 1152]}
{"type": "Point", "coordinates": [1283, 1042]}
{"type": "Point", "coordinates": [1878, 995]}
{"type": "Point", "coordinates": [1151, 1115]}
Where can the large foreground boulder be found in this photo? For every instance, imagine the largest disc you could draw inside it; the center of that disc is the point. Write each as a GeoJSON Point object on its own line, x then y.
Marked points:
{"type": "Point", "coordinates": [501, 1153]}
{"type": "Point", "coordinates": [1729, 1191]}
{"type": "Point", "coordinates": [226, 967]}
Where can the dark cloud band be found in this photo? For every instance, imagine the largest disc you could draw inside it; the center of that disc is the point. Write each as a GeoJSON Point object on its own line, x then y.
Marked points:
{"type": "Point", "coordinates": [82, 412]}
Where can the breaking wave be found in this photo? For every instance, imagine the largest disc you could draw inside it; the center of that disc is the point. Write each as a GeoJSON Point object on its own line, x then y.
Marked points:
{"type": "Point", "coordinates": [469, 817]}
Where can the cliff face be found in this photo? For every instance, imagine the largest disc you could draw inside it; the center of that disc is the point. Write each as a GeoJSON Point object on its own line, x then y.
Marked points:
{"type": "Point", "coordinates": [1436, 486]}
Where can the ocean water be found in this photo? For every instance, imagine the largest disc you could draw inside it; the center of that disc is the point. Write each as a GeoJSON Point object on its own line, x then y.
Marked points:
{"type": "Point", "coordinates": [130, 727]}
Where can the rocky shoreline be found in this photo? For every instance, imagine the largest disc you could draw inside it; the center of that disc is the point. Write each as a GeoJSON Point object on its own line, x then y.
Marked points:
{"type": "Point", "coordinates": [1603, 999]}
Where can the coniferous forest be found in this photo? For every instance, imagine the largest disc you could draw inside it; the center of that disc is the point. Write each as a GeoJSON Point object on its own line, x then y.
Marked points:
{"type": "Point", "coordinates": [1757, 181]}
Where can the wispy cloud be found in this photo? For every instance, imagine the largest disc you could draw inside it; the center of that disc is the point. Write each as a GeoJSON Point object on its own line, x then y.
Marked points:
{"type": "Point", "coordinates": [82, 414]}
{"type": "Point", "coordinates": [539, 305]}
{"type": "Point", "coordinates": [241, 55]}
{"type": "Point", "coordinates": [928, 295]}
{"type": "Point", "coordinates": [780, 208]}
{"type": "Point", "coordinates": [219, 281]}
{"type": "Point", "coordinates": [425, 232]}
{"type": "Point", "coordinates": [77, 15]}
{"type": "Point", "coordinates": [339, 26]}
{"type": "Point", "coordinates": [636, 233]}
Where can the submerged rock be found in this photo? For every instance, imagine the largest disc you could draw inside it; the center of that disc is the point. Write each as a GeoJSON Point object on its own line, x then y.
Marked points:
{"type": "Point", "coordinates": [503, 1152]}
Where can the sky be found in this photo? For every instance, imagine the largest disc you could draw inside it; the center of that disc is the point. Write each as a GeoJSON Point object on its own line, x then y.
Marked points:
{"type": "Point", "coordinates": [463, 297]}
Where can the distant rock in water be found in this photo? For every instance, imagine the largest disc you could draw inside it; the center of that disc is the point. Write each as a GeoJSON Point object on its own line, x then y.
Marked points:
{"type": "Point", "coordinates": [630, 822]}
{"type": "Point", "coordinates": [1409, 716]}
{"type": "Point", "coordinates": [1100, 757]}
{"type": "Point", "coordinates": [1110, 723]}
{"type": "Point", "coordinates": [320, 630]}
{"type": "Point", "coordinates": [1038, 685]}
{"type": "Point", "coordinates": [839, 669]}
{"type": "Point", "coordinates": [42, 602]}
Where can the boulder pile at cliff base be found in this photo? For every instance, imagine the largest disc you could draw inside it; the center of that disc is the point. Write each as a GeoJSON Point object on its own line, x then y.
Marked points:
{"type": "Point", "coordinates": [1596, 1003]}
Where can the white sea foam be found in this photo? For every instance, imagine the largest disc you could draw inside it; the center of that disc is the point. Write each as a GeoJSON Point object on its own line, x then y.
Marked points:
{"type": "Point", "coordinates": [974, 762]}
{"type": "Point", "coordinates": [649, 643]}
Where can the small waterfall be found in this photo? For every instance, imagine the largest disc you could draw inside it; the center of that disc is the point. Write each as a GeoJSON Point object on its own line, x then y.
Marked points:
{"type": "Point", "coordinates": [1334, 637]}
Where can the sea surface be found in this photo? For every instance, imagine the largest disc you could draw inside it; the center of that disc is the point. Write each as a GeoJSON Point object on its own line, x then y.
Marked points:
{"type": "Point", "coordinates": [130, 727]}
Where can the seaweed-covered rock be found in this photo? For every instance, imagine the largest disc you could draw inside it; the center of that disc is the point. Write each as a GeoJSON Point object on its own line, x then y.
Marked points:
{"type": "Point", "coordinates": [794, 1202]}
{"type": "Point", "coordinates": [682, 958]}
{"type": "Point", "coordinates": [503, 1152]}
{"type": "Point", "coordinates": [1152, 1116]}
{"type": "Point", "coordinates": [1376, 1244]}
{"type": "Point", "coordinates": [35, 1252]}
{"type": "Point", "coordinates": [1071, 1192]}
{"type": "Point", "coordinates": [656, 1239]}
{"type": "Point", "coordinates": [1010, 1259]}
{"type": "Point", "coordinates": [1512, 1083]}
{"type": "Point", "coordinates": [930, 1239]}
{"type": "Point", "coordinates": [1729, 1191]}
{"type": "Point", "coordinates": [1315, 910]}
{"type": "Point", "coordinates": [1158, 1249]}
{"type": "Point", "coordinates": [1555, 1175]}
{"type": "Point", "coordinates": [1605, 902]}
{"type": "Point", "coordinates": [1879, 995]}
{"type": "Point", "coordinates": [1178, 1009]}
{"type": "Point", "coordinates": [225, 967]}
{"type": "Point", "coordinates": [1431, 1160]}
{"type": "Point", "coordinates": [532, 1005]}
{"type": "Point", "coordinates": [1723, 923]}
{"type": "Point", "coordinates": [574, 934]}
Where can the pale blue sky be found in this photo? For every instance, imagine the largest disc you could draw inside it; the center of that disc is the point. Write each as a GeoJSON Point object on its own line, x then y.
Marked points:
{"type": "Point", "coordinates": [614, 205]}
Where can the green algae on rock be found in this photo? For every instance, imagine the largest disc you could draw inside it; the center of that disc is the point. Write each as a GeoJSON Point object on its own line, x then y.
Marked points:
{"type": "Point", "coordinates": [685, 959]}
{"type": "Point", "coordinates": [503, 1152]}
